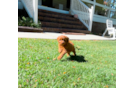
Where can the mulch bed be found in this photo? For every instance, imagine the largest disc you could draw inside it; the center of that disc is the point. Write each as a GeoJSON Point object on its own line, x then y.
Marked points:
{"type": "Point", "coordinates": [29, 29]}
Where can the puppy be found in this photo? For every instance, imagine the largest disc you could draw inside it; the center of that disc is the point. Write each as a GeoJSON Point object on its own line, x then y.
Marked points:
{"type": "Point", "coordinates": [65, 46]}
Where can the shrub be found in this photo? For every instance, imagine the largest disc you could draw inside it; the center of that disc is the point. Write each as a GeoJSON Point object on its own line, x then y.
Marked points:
{"type": "Point", "coordinates": [26, 21]}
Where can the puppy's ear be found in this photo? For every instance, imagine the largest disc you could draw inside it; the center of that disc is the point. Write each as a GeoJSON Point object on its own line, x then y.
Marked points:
{"type": "Point", "coordinates": [57, 38]}
{"type": "Point", "coordinates": [67, 39]}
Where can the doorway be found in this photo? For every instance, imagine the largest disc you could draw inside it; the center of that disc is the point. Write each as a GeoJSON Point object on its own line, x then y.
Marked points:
{"type": "Point", "coordinates": [61, 6]}
{"type": "Point", "coordinates": [48, 3]}
{"type": "Point", "coordinates": [68, 4]}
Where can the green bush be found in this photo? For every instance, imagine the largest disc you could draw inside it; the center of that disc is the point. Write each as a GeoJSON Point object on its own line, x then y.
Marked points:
{"type": "Point", "coordinates": [26, 21]}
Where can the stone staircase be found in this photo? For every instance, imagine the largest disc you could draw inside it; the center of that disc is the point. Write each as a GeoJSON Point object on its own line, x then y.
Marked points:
{"type": "Point", "coordinates": [58, 22]}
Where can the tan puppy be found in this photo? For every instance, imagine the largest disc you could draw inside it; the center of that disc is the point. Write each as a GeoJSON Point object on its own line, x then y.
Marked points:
{"type": "Point", "coordinates": [65, 46]}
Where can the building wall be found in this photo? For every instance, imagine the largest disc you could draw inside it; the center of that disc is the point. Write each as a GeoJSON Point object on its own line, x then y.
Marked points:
{"type": "Point", "coordinates": [39, 2]}
{"type": "Point", "coordinates": [20, 5]}
{"type": "Point", "coordinates": [102, 19]}
{"type": "Point", "coordinates": [57, 2]}
{"type": "Point", "coordinates": [99, 22]}
{"type": "Point", "coordinates": [99, 28]}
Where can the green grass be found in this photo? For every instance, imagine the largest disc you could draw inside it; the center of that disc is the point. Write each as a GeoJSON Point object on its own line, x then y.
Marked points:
{"type": "Point", "coordinates": [94, 66]}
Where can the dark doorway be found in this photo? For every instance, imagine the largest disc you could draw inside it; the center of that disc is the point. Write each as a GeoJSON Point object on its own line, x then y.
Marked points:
{"type": "Point", "coordinates": [48, 3]}
{"type": "Point", "coordinates": [68, 3]}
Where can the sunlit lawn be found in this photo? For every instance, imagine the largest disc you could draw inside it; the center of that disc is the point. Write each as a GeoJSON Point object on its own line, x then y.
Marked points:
{"type": "Point", "coordinates": [93, 67]}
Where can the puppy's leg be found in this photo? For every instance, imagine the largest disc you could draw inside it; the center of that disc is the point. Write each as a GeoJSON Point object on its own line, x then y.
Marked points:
{"type": "Point", "coordinates": [61, 55]}
{"type": "Point", "coordinates": [60, 50]}
{"type": "Point", "coordinates": [74, 53]}
{"type": "Point", "coordinates": [68, 53]}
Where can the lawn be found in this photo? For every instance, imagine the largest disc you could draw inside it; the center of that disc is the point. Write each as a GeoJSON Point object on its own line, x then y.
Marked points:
{"type": "Point", "coordinates": [93, 67]}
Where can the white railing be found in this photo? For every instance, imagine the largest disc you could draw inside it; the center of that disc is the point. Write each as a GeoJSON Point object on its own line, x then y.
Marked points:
{"type": "Point", "coordinates": [31, 7]}
{"type": "Point", "coordinates": [99, 18]}
{"type": "Point", "coordinates": [85, 14]}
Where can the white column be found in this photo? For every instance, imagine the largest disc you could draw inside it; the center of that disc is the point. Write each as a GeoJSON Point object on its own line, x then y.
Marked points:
{"type": "Point", "coordinates": [109, 13]}
{"type": "Point", "coordinates": [35, 13]}
{"type": "Point", "coordinates": [71, 6]}
{"type": "Point", "coordinates": [91, 18]}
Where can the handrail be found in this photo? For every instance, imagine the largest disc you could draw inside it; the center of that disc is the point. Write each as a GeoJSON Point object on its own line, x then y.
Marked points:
{"type": "Point", "coordinates": [85, 14]}
{"type": "Point", "coordinates": [98, 4]}
{"type": "Point", "coordinates": [84, 4]}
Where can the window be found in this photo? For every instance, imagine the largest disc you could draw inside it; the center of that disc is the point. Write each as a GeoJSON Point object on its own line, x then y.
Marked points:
{"type": "Point", "coordinates": [113, 14]}
{"type": "Point", "coordinates": [101, 11]}
{"type": "Point", "coordinates": [100, 1]}
{"type": "Point", "coordinates": [106, 8]}
{"type": "Point", "coordinates": [109, 3]}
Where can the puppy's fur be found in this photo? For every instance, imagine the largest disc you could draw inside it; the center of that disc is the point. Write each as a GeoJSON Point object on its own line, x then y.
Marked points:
{"type": "Point", "coordinates": [65, 46]}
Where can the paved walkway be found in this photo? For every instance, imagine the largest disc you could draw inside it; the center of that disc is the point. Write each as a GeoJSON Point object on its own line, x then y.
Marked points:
{"type": "Point", "coordinates": [51, 35]}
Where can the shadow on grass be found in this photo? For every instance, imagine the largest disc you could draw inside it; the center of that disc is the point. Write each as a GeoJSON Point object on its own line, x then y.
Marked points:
{"type": "Point", "coordinates": [78, 58]}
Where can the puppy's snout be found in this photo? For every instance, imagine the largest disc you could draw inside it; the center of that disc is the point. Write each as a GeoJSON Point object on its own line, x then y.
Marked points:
{"type": "Point", "coordinates": [62, 42]}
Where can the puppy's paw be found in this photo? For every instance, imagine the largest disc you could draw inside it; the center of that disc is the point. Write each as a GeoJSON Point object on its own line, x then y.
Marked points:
{"type": "Point", "coordinates": [58, 58]}
{"type": "Point", "coordinates": [74, 54]}
{"type": "Point", "coordinates": [68, 55]}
